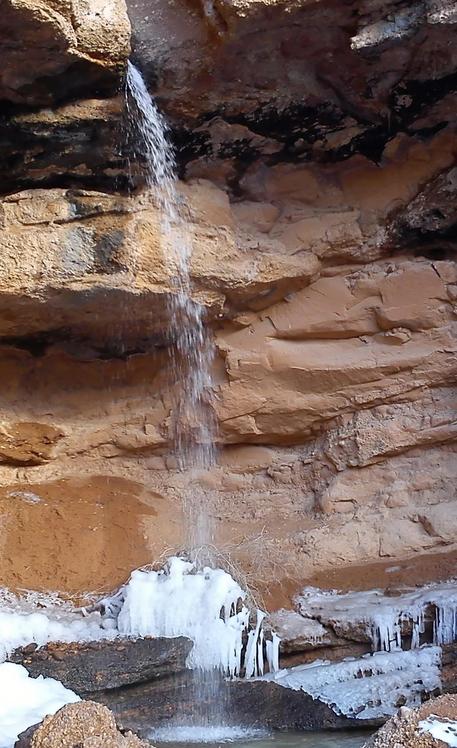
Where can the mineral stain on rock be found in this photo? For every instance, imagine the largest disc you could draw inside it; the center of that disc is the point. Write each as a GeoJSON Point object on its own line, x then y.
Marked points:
{"type": "Point", "coordinates": [80, 534]}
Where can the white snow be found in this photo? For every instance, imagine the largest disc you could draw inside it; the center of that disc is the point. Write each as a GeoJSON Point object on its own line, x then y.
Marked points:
{"type": "Point", "coordinates": [440, 728]}
{"type": "Point", "coordinates": [19, 628]}
{"type": "Point", "coordinates": [28, 496]}
{"type": "Point", "coordinates": [205, 605]}
{"type": "Point", "coordinates": [368, 687]}
{"type": "Point", "coordinates": [384, 615]}
{"type": "Point", "coordinates": [24, 701]}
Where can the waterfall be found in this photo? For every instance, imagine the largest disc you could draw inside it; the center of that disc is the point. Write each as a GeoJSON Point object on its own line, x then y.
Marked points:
{"type": "Point", "coordinates": [193, 426]}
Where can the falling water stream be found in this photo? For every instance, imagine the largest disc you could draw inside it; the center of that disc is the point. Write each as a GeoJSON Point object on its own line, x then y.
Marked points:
{"type": "Point", "coordinates": [191, 346]}
{"type": "Point", "coordinates": [191, 355]}
{"type": "Point", "coordinates": [193, 428]}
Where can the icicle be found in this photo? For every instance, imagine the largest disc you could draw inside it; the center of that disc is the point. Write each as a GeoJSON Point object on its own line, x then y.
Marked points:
{"type": "Point", "coordinates": [369, 687]}
{"type": "Point", "coordinates": [385, 616]}
{"type": "Point", "coordinates": [272, 650]}
{"type": "Point", "coordinates": [260, 666]}
{"type": "Point", "coordinates": [251, 657]}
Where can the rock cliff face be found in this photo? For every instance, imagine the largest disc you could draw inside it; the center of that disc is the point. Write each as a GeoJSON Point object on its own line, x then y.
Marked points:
{"type": "Point", "coordinates": [316, 145]}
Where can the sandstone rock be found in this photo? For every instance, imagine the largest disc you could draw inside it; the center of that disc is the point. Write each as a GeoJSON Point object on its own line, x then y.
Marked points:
{"type": "Point", "coordinates": [362, 80]}
{"type": "Point", "coordinates": [63, 252]}
{"type": "Point", "coordinates": [316, 142]}
{"type": "Point", "coordinates": [298, 633]}
{"type": "Point", "coordinates": [40, 147]}
{"type": "Point", "coordinates": [403, 729]}
{"type": "Point", "coordinates": [82, 724]}
{"type": "Point", "coordinates": [84, 38]}
{"type": "Point", "coordinates": [98, 666]}
{"type": "Point", "coordinates": [75, 535]}
{"type": "Point", "coordinates": [26, 443]}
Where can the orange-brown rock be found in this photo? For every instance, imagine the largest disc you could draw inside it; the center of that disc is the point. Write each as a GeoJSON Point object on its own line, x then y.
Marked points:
{"type": "Point", "coordinates": [317, 149]}
{"type": "Point", "coordinates": [81, 533]}
{"type": "Point", "coordinates": [82, 724]}
{"type": "Point", "coordinates": [343, 390]}
{"type": "Point", "coordinates": [43, 41]}
{"type": "Point", "coordinates": [405, 728]}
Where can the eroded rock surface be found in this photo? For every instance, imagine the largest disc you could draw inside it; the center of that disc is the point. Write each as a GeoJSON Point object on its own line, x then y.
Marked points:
{"type": "Point", "coordinates": [405, 730]}
{"type": "Point", "coordinates": [55, 49]}
{"type": "Point", "coordinates": [316, 145]}
{"type": "Point", "coordinates": [82, 724]}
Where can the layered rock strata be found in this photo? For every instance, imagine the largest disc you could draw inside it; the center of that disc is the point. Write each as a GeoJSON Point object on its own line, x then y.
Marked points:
{"type": "Point", "coordinates": [317, 147]}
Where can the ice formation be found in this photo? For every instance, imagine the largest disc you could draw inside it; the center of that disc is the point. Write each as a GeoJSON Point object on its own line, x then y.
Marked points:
{"type": "Point", "coordinates": [24, 701]}
{"type": "Point", "coordinates": [207, 606]}
{"type": "Point", "coordinates": [440, 728]}
{"type": "Point", "coordinates": [384, 616]}
{"type": "Point", "coordinates": [369, 687]}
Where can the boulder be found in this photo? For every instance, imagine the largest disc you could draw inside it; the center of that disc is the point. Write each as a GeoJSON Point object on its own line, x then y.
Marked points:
{"type": "Point", "coordinates": [249, 702]}
{"type": "Point", "coordinates": [407, 729]}
{"type": "Point", "coordinates": [84, 724]}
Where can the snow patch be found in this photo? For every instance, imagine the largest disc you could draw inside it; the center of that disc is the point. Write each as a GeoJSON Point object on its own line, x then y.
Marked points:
{"type": "Point", "coordinates": [440, 728]}
{"type": "Point", "coordinates": [17, 629]}
{"type": "Point", "coordinates": [24, 701]}
{"type": "Point", "coordinates": [28, 496]}
{"type": "Point", "coordinates": [370, 687]}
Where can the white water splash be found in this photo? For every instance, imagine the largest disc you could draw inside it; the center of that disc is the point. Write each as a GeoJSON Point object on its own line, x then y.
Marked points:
{"type": "Point", "coordinates": [193, 424]}
{"type": "Point", "coordinates": [192, 734]}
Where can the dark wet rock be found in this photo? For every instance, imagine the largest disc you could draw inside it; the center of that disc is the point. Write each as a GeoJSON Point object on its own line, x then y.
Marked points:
{"type": "Point", "coordinates": [25, 738]}
{"type": "Point", "coordinates": [240, 83]}
{"type": "Point", "coordinates": [429, 222]}
{"type": "Point", "coordinates": [76, 144]}
{"type": "Point", "coordinates": [295, 82]}
{"type": "Point", "coordinates": [248, 702]}
{"type": "Point", "coordinates": [449, 668]}
{"type": "Point", "coordinates": [95, 666]}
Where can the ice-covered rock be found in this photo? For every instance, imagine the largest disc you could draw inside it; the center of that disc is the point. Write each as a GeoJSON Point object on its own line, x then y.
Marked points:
{"type": "Point", "coordinates": [380, 618]}
{"type": "Point", "coordinates": [370, 687]}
